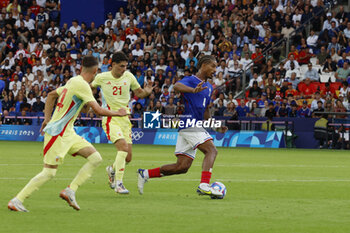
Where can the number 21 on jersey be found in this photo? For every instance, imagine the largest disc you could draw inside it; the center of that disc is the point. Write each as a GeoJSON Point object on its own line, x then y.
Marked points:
{"type": "Point", "coordinates": [117, 90]}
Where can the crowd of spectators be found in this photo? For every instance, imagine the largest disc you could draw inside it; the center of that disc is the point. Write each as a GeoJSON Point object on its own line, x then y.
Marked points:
{"type": "Point", "coordinates": [164, 40]}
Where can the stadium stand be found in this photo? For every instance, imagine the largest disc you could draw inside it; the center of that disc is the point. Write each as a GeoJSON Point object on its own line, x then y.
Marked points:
{"type": "Point", "coordinates": [279, 52]}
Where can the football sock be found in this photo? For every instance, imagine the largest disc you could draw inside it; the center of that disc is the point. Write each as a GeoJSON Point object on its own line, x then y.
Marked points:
{"type": "Point", "coordinates": [86, 171]}
{"type": "Point", "coordinates": [155, 172]}
{"type": "Point", "coordinates": [119, 165]}
{"type": "Point", "coordinates": [206, 175]}
{"type": "Point", "coordinates": [45, 175]}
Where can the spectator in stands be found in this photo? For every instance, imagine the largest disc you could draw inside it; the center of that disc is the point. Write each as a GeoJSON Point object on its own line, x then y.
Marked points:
{"type": "Point", "coordinates": [38, 106]}
{"type": "Point", "coordinates": [159, 107]}
{"type": "Point", "coordinates": [304, 55]}
{"type": "Point", "coordinates": [288, 65]}
{"type": "Point", "coordinates": [347, 30]}
{"type": "Point", "coordinates": [6, 103]}
{"type": "Point", "coordinates": [294, 111]}
{"type": "Point", "coordinates": [222, 98]}
{"type": "Point", "coordinates": [230, 111]}
{"type": "Point", "coordinates": [306, 90]}
{"type": "Point", "coordinates": [137, 111]}
{"type": "Point", "coordinates": [344, 101]}
{"type": "Point", "coordinates": [339, 107]}
{"type": "Point", "coordinates": [312, 73]}
{"type": "Point", "coordinates": [304, 111]}
{"type": "Point", "coordinates": [292, 70]}
{"type": "Point", "coordinates": [312, 41]}
{"type": "Point", "coordinates": [344, 90]}
{"type": "Point", "coordinates": [329, 65]}
{"type": "Point", "coordinates": [220, 108]}
{"type": "Point", "coordinates": [314, 103]}
{"type": "Point", "coordinates": [24, 121]}
{"type": "Point", "coordinates": [255, 91]}
{"type": "Point", "coordinates": [316, 112]}
{"type": "Point", "coordinates": [334, 45]}
{"type": "Point", "coordinates": [2, 84]}
{"type": "Point", "coordinates": [258, 79]}
{"type": "Point", "coordinates": [343, 60]}
{"type": "Point", "coordinates": [321, 57]}
{"type": "Point", "coordinates": [271, 112]}
{"type": "Point", "coordinates": [283, 110]}
{"type": "Point", "coordinates": [291, 91]}
{"type": "Point", "coordinates": [327, 22]}
{"type": "Point", "coordinates": [270, 85]}
{"type": "Point", "coordinates": [242, 109]}
{"type": "Point", "coordinates": [342, 73]}
{"type": "Point", "coordinates": [170, 108]}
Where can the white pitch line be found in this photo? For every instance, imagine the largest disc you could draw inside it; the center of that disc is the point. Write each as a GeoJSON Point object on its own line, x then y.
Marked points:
{"type": "Point", "coordinates": [142, 163]}
{"type": "Point", "coordinates": [193, 180]}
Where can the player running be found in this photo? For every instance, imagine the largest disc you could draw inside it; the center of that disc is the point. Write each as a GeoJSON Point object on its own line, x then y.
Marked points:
{"type": "Point", "coordinates": [115, 91]}
{"type": "Point", "coordinates": [60, 137]}
{"type": "Point", "coordinates": [196, 92]}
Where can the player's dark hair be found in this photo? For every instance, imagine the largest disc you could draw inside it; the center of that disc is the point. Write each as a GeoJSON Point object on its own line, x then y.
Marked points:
{"type": "Point", "coordinates": [206, 59]}
{"type": "Point", "coordinates": [89, 61]}
{"type": "Point", "coordinates": [119, 57]}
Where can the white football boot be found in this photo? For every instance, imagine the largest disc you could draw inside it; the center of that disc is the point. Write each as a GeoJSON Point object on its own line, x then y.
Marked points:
{"type": "Point", "coordinates": [16, 205]}
{"type": "Point", "coordinates": [142, 179]}
{"type": "Point", "coordinates": [206, 189]}
{"type": "Point", "coordinates": [120, 188]}
{"type": "Point", "coordinates": [111, 174]}
{"type": "Point", "coordinates": [69, 195]}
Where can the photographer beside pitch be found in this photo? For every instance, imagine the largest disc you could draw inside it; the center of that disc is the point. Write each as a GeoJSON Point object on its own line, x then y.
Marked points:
{"type": "Point", "coordinates": [196, 92]}
{"type": "Point", "coordinates": [60, 137]}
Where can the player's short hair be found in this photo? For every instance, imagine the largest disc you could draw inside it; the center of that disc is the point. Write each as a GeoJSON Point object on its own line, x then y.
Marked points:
{"type": "Point", "coordinates": [206, 59]}
{"type": "Point", "coordinates": [119, 57]}
{"type": "Point", "coordinates": [89, 61]}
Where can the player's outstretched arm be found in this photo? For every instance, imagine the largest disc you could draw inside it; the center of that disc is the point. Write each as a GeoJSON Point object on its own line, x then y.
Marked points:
{"type": "Point", "coordinates": [105, 112]}
{"type": "Point", "coordinates": [186, 89]}
{"type": "Point", "coordinates": [142, 93]}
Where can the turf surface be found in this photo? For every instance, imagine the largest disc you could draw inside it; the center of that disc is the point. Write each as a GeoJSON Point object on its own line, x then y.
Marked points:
{"type": "Point", "coordinates": [268, 191]}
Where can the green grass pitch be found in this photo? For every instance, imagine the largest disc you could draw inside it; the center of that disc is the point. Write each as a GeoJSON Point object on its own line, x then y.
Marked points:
{"type": "Point", "coordinates": [269, 190]}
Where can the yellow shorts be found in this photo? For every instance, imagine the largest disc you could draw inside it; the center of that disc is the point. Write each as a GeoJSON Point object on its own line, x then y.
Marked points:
{"type": "Point", "coordinates": [117, 128]}
{"type": "Point", "coordinates": [56, 147]}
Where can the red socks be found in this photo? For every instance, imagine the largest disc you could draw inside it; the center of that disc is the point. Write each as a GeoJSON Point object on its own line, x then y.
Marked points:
{"type": "Point", "coordinates": [206, 175]}
{"type": "Point", "coordinates": [155, 172]}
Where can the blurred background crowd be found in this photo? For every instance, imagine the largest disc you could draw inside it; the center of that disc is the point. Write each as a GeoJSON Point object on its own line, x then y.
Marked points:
{"type": "Point", "coordinates": [282, 58]}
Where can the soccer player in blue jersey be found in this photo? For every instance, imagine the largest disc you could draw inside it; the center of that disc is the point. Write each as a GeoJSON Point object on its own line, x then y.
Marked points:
{"type": "Point", "coordinates": [196, 92]}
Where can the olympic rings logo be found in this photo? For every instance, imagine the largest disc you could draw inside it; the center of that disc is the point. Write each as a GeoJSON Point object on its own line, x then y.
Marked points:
{"type": "Point", "coordinates": [136, 135]}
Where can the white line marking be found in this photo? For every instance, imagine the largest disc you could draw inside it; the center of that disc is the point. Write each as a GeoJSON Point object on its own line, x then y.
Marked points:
{"type": "Point", "coordinates": [192, 180]}
{"type": "Point", "coordinates": [142, 163]}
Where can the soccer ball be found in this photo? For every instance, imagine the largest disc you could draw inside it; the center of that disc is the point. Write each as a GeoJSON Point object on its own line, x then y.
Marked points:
{"type": "Point", "coordinates": [220, 187]}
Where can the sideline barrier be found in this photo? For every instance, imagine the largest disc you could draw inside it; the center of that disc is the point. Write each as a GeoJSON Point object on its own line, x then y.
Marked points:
{"type": "Point", "coordinates": [232, 138]}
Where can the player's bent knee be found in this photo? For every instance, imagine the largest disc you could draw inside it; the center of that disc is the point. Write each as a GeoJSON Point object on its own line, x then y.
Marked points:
{"type": "Point", "coordinates": [95, 159]}
{"type": "Point", "coordinates": [49, 172]}
{"type": "Point", "coordinates": [182, 169]}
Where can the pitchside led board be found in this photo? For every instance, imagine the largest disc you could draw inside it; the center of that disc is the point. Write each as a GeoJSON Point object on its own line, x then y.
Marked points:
{"type": "Point", "coordinates": [254, 139]}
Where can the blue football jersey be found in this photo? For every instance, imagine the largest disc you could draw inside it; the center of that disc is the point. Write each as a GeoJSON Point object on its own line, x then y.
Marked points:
{"type": "Point", "coordinates": [195, 103]}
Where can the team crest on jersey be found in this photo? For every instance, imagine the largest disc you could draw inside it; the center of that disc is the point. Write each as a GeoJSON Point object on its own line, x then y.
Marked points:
{"type": "Point", "coordinates": [124, 83]}
{"type": "Point", "coordinates": [109, 83]}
